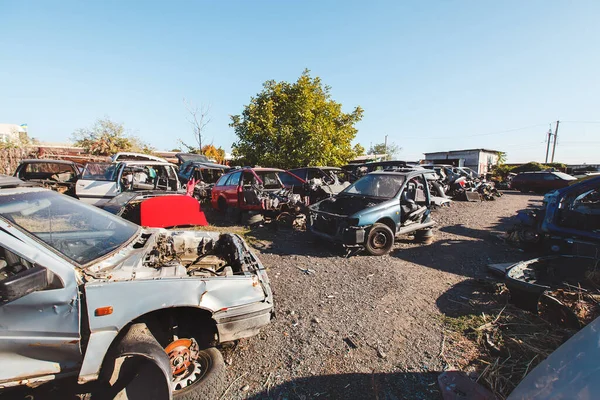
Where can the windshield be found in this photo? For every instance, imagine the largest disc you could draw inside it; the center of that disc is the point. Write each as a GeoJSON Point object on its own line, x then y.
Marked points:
{"type": "Point", "coordinates": [564, 176]}
{"type": "Point", "coordinates": [100, 172]}
{"type": "Point", "coordinates": [376, 185]}
{"type": "Point", "coordinates": [79, 231]}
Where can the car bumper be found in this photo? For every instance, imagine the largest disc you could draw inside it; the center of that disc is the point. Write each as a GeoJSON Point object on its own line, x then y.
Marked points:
{"type": "Point", "coordinates": [338, 231]}
{"type": "Point", "coordinates": [244, 322]}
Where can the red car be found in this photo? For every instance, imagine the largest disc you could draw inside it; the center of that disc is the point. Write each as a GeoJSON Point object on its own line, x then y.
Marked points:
{"type": "Point", "coordinates": [255, 189]}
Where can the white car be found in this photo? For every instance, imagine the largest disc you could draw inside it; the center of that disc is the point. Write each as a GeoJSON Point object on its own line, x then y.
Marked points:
{"type": "Point", "coordinates": [100, 182]}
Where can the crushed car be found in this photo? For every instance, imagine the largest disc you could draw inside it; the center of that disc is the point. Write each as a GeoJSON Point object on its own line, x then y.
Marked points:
{"type": "Point", "coordinates": [86, 294]}
{"type": "Point", "coordinates": [100, 182]}
{"type": "Point", "coordinates": [202, 176]}
{"type": "Point", "coordinates": [371, 212]}
{"type": "Point", "coordinates": [58, 175]}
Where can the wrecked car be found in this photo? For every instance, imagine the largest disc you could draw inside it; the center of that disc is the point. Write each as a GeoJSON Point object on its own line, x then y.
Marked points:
{"type": "Point", "coordinates": [372, 211]}
{"type": "Point", "coordinates": [540, 181]}
{"type": "Point", "coordinates": [324, 182]}
{"type": "Point", "coordinates": [568, 222]}
{"type": "Point", "coordinates": [83, 292]}
{"type": "Point", "coordinates": [100, 182]}
{"type": "Point", "coordinates": [259, 189]}
{"type": "Point", "coordinates": [203, 175]}
{"type": "Point", "coordinates": [58, 175]}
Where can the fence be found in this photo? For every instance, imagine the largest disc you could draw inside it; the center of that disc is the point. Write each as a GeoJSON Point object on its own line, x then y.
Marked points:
{"type": "Point", "coordinates": [10, 158]}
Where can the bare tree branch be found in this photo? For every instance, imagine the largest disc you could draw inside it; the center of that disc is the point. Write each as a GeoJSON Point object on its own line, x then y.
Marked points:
{"type": "Point", "coordinates": [198, 118]}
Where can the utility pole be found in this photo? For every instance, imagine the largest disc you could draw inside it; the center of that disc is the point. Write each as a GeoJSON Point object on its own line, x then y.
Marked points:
{"type": "Point", "coordinates": [385, 146]}
{"type": "Point", "coordinates": [548, 144]}
{"type": "Point", "coordinates": [555, 136]}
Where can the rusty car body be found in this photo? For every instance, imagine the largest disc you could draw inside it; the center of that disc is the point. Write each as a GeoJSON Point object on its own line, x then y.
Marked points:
{"type": "Point", "coordinates": [75, 281]}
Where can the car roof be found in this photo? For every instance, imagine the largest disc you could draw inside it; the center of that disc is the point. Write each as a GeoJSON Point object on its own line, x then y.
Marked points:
{"type": "Point", "coordinates": [142, 162]}
{"type": "Point", "coordinates": [401, 173]}
{"type": "Point", "coordinates": [133, 154]}
{"type": "Point", "coordinates": [208, 165]}
{"type": "Point", "coordinates": [46, 160]}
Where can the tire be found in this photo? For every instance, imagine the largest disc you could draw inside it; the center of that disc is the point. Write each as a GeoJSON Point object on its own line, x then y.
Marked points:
{"type": "Point", "coordinates": [212, 384]}
{"type": "Point", "coordinates": [380, 240]}
{"type": "Point", "coordinates": [222, 204]}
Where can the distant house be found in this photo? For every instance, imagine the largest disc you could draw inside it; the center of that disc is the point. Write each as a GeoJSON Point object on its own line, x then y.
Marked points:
{"type": "Point", "coordinates": [10, 132]}
{"type": "Point", "coordinates": [480, 160]}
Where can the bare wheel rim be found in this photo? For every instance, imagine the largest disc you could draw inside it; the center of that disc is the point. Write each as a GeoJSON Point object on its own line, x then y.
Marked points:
{"type": "Point", "coordinates": [188, 364]}
{"type": "Point", "coordinates": [379, 240]}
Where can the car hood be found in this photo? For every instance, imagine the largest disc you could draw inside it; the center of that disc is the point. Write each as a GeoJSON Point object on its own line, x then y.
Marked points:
{"type": "Point", "coordinates": [345, 205]}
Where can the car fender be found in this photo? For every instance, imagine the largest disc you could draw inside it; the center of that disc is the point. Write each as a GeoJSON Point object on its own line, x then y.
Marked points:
{"type": "Point", "coordinates": [132, 299]}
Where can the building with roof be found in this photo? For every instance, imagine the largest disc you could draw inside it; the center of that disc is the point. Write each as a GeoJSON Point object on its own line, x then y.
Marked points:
{"type": "Point", "coordinates": [480, 160]}
{"type": "Point", "coordinates": [10, 132]}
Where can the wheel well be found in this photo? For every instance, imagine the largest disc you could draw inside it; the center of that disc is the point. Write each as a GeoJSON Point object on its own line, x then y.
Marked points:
{"type": "Point", "coordinates": [195, 322]}
{"type": "Point", "coordinates": [183, 322]}
{"type": "Point", "coordinates": [389, 223]}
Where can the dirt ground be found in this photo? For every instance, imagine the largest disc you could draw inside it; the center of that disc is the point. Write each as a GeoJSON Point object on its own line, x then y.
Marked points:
{"type": "Point", "coordinates": [367, 327]}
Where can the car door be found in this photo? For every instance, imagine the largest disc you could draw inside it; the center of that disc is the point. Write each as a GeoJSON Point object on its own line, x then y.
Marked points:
{"type": "Point", "coordinates": [99, 183]}
{"type": "Point", "coordinates": [233, 189]}
{"type": "Point", "coordinates": [39, 332]}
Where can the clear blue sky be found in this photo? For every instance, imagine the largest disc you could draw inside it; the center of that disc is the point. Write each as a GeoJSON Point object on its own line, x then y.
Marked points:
{"type": "Point", "coordinates": [433, 75]}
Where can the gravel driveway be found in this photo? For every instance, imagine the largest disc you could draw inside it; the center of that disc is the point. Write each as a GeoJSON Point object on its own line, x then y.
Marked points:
{"type": "Point", "coordinates": [366, 327]}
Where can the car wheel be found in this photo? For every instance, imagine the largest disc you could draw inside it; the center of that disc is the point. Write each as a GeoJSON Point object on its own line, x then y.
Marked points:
{"type": "Point", "coordinates": [222, 204]}
{"type": "Point", "coordinates": [197, 374]}
{"type": "Point", "coordinates": [380, 240]}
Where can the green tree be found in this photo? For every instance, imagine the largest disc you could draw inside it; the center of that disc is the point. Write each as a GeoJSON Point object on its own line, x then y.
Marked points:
{"type": "Point", "coordinates": [296, 124]}
{"type": "Point", "coordinates": [358, 150]}
{"type": "Point", "coordinates": [107, 137]}
{"type": "Point", "coordinates": [391, 149]}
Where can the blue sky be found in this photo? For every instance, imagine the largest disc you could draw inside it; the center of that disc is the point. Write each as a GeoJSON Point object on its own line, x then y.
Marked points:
{"type": "Point", "coordinates": [432, 75]}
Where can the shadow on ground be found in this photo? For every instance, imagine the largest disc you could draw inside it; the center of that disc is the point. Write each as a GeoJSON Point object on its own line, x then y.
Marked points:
{"type": "Point", "coordinates": [380, 386]}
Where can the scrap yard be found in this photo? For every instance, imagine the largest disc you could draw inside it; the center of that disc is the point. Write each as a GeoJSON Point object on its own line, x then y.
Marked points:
{"type": "Point", "coordinates": [299, 200]}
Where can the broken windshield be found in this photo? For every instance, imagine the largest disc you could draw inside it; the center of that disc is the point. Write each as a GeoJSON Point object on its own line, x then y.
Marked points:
{"type": "Point", "coordinates": [376, 185]}
{"type": "Point", "coordinates": [78, 231]}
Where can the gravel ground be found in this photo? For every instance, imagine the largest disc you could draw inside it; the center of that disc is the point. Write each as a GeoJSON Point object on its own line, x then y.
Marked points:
{"type": "Point", "coordinates": [365, 327]}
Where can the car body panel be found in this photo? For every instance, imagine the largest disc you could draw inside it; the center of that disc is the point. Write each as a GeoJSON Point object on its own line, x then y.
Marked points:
{"type": "Point", "coordinates": [39, 333]}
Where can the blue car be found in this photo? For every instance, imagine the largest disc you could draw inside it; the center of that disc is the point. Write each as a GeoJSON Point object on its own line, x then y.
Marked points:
{"type": "Point", "coordinates": [371, 212]}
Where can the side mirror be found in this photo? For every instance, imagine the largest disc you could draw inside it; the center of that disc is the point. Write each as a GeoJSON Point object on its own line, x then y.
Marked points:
{"type": "Point", "coordinates": [23, 283]}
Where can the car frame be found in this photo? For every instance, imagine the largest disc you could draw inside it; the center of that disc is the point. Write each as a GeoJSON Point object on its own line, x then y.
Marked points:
{"type": "Point", "coordinates": [50, 179]}
{"type": "Point", "coordinates": [98, 190]}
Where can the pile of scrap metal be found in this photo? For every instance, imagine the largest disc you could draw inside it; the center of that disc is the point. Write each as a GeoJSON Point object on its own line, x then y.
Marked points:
{"type": "Point", "coordinates": [567, 223]}
{"type": "Point", "coordinates": [462, 183]}
{"type": "Point", "coordinates": [323, 182]}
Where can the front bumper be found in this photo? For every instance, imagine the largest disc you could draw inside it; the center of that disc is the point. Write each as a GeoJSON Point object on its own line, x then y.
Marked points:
{"type": "Point", "coordinates": [337, 230]}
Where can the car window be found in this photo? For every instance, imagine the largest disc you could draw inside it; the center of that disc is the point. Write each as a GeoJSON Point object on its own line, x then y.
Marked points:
{"type": "Point", "coordinates": [300, 173]}
{"type": "Point", "coordinates": [100, 172]}
{"type": "Point", "coordinates": [564, 176]}
{"type": "Point", "coordinates": [77, 230]}
{"type": "Point", "coordinates": [234, 179]}
{"type": "Point", "coordinates": [48, 171]}
{"type": "Point", "coordinates": [269, 179]}
{"type": "Point", "coordinates": [222, 180]}
{"type": "Point", "coordinates": [289, 180]}
{"type": "Point", "coordinates": [376, 185]}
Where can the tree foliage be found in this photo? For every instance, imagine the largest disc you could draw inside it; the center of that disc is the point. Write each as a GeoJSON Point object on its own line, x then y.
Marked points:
{"type": "Point", "coordinates": [358, 150]}
{"type": "Point", "coordinates": [106, 137]}
{"type": "Point", "coordinates": [212, 152]}
{"type": "Point", "coordinates": [296, 124]}
{"type": "Point", "coordinates": [391, 149]}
